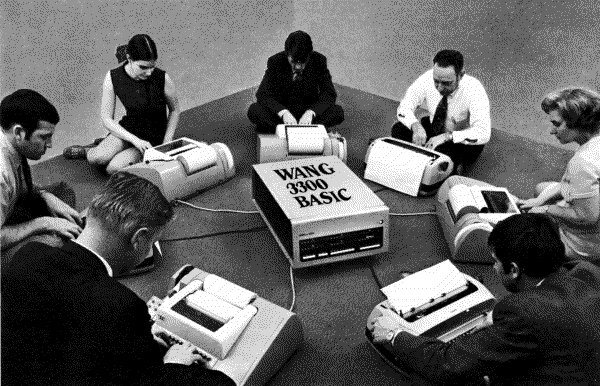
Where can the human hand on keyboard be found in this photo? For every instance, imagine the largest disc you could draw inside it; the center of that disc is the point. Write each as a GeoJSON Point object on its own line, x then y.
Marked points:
{"type": "Point", "coordinates": [381, 322]}
{"type": "Point", "coordinates": [419, 134]}
{"type": "Point", "coordinates": [184, 354]}
{"type": "Point", "coordinates": [306, 118]}
{"type": "Point", "coordinates": [287, 117]}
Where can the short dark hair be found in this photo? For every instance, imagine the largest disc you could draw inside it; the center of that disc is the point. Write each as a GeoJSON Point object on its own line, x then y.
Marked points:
{"type": "Point", "coordinates": [578, 107]}
{"type": "Point", "coordinates": [447, 58]}
{"type": "Point", "coordinates": [26, 108]}
{"type": "Point", "coordinates": [140, 47]}
{"type": "Point", "coordinates": [127, 203]}
{"type": "Point", "coordinates": [531, 241]}
{"type": "Point", "coordinates": [299, 46]}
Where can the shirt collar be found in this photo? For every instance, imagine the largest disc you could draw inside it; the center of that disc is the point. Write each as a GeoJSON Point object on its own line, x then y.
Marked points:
{"type": "Point", "coordinates": [591, 142]}
{"type": "Point", "coordinates": [108, 268]}
{"type": "Point", "coordinates": [6, 145]}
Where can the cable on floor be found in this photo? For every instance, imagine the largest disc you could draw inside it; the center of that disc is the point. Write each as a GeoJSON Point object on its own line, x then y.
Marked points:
{"type": "Point", "coordinates": [412, 214]}
{"type": "Point", "coordinates": [216, 210]}
{"type": "Point", "coordinates": [215, 234]}
{"type": "Point", "coordinates": [293, 288]}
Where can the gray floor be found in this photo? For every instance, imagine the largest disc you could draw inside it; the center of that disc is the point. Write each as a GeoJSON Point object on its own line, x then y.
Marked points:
{"type": "Point", "coordinates": [519, 49]}
{"type": "Point", "coordinates": [333, 301]}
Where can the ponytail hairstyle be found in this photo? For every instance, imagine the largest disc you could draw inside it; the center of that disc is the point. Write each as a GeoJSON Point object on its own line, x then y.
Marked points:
{"type": "Point", "coordinates": [140, 47]}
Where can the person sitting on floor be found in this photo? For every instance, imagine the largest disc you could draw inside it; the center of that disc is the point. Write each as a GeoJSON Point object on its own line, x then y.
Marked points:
{"type": "Point", "coordinates": [296, 89]}
{"type": "Point", "coordinates": [546, 332]}
{"type": "Point", "coordinates": [67, 321]}
{"type": "Point", "coordinates": [146, 92]}
{"type": "Point", "coordinates": [458, 123]}
{"type": "Point", "coordinates": [574, 202]}
{"type": "Point", "coordinates": [27, 212]}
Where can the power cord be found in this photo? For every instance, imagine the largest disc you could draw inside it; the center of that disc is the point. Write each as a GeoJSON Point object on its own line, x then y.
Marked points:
{"type": "Point", "coordinates": [412, 214]}
{"type": "Point", "coordinates": [215, 234]}
{"type": "Point", "coordinates": [216, 210]}
{"type": "Point", "coordinates": [292, 283]}
{"type": "Point", "coordinates": [293, 288]}
{"type": "Point", "coordinates": [404, 214]}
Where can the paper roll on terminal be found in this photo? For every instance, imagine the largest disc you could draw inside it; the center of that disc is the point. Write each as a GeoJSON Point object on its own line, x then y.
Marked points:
{"type": "Point", "coordinates": [184, 167]}
{"type": "Point", "coordinates": [300, 141]}
{"type": "Point", "coordinates": [306, 140]}
{"type": "Point", "coordinates": [198, 158]}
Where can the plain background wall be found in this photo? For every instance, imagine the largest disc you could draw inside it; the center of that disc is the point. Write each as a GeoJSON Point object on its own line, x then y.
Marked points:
{"type": "Point", "coordinates": [63, 49]}
{"type": "Point", "coordinates": [518, 49]}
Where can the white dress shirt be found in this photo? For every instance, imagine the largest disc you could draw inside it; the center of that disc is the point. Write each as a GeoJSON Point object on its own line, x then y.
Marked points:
{"type": "Point", "coordinates": [468, 107]}
{"type": "Point", "coordinates": [12, 179]}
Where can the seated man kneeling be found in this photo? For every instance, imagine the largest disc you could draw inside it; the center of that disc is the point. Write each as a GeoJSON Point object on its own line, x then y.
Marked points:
{"type": "Point", "coordinates": [67, 321]}
{"type": "Point", "coordinates": [296, 89]}
{"type": "Point", "coordinates": [27, 212]}
{"type": "Point", "coordinates": [546, 332]}
{"type": "Point", "coordinates": [459, 122]}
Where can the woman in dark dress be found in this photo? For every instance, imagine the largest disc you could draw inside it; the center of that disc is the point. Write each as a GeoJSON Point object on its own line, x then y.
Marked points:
{"type": "Point", "coordinates": [151, 107]}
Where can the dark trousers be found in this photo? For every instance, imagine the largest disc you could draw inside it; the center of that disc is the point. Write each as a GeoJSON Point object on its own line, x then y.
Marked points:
{"type": "Point", "coordinates": [32, 206]}
{"type": "Point", "coordinates": [459, 154]}
{"type": "Point", "coordinates": [266, 120]}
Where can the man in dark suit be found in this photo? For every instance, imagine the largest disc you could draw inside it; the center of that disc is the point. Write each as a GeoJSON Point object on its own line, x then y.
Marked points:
{"type": "Point", "coordinates": [296, 89]}
{"type": "Point", "coordinates": [66, 321]}
{"type": "Point", "coordinates": [546, 332]}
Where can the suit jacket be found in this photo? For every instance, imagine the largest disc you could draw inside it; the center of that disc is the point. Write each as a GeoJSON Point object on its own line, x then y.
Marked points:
{"type": "Point", "coordinates": [548, 335]}
{"type": "Point", "coordinates": [314, 91]}
{"type": "Point", "coordinates": [66, 322]}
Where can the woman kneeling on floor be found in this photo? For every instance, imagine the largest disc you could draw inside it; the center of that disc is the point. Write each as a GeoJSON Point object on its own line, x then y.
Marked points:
{"type": "Point", "coordinates": [146, 92]}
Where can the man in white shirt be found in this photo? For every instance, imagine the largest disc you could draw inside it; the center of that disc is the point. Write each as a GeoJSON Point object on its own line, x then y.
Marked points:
{"type": "Point", "coordinates": [459, 123]}
{"type": "Point", "coordinates": [27, 212]}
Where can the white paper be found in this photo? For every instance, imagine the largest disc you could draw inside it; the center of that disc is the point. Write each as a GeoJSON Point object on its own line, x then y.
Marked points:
{"type": "Point", "coordinates": [419, 288]}
{"type": "Point", "coordinates": [228, 291]}
{"type": "Point", "coordinates": [306, 140]}
{"type": "Point", "coordinates": [212, 306]}
{"type": "Point", "coordinates": [463, 201]}
{"type": "Point", "coordinates": [198, 158]}
{"type": "Point", "coordinates": [396, 167]}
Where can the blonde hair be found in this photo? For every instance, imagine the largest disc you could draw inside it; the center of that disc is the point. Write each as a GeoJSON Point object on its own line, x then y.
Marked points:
{"type": "Point", "coordinates": [578, 107]}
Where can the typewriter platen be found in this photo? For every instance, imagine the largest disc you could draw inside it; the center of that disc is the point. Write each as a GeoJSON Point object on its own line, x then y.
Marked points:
{"type": "Point", "coordinates": [461, 304]}
{"type": "Point", "coordinates": [236, 332]}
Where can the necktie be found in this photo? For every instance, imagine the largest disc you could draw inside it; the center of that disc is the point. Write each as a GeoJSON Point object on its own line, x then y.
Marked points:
{"type": "Point", "coordinates": [438, 125]}
{"type": "Point", "coordinates": [296, 75]}
{"type": "Point", "coordinates": [27, 174]}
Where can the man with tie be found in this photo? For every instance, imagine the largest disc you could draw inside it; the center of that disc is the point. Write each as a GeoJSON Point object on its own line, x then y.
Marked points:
{"type": "Point", "coordinates": [28, 213]}
{"type": "Point", "coordinates": [459, 122]}
{"type": "Point", "coordinates": [296, 89]}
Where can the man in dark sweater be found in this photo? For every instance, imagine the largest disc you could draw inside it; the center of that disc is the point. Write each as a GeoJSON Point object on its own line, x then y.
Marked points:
{"type": "Point", "coordinates": [296, 89]}
{"type": "Point", "coordinates": [66, 321]}
{"type": "Point", "coordinates": [546, 332]}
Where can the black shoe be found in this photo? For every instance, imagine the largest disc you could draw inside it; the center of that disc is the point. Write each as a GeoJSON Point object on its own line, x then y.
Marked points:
{"type": "Point", "coordinates": [75, 152]}
{"type": "Point", "coordinates": [146, 265]}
